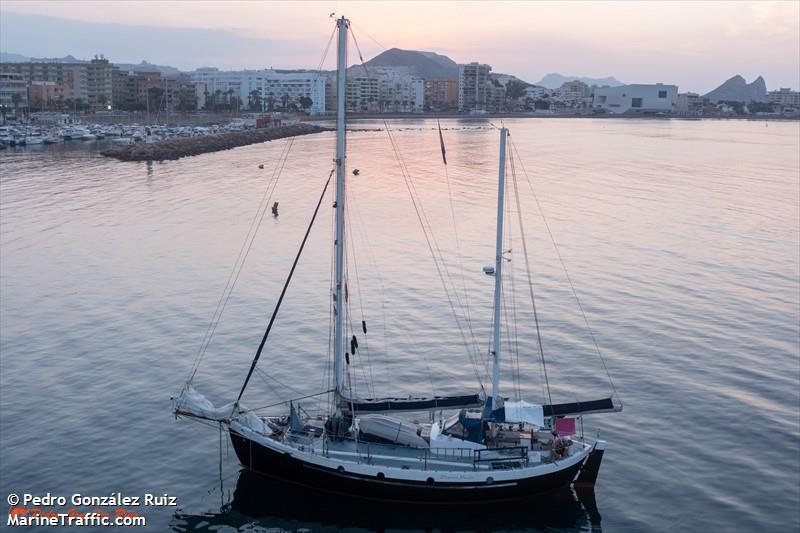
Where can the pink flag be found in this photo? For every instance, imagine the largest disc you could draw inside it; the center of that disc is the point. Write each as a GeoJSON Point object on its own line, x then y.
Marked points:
{"type": "Point", "coordinates": [565, 426]}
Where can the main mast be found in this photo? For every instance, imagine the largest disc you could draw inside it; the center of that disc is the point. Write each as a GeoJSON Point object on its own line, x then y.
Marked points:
{"type": "Point", "coordinates": [338, 297]}
{"type": "Point", "coordinates": [498, 274]}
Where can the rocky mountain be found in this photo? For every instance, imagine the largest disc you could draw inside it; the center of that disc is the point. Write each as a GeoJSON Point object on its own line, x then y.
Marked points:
{"type": "Point", "coordinates": [427, 65]}
{"type": "Point", "coordinates": [503, 79]}
{"type": "Point", "coordinates": [555, 80]}
{"type": "Point", "coordinates": [736, 89]}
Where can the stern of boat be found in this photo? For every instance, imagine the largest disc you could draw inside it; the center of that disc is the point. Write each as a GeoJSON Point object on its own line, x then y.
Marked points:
{"type": "Point", "coordinates": [587, 476]}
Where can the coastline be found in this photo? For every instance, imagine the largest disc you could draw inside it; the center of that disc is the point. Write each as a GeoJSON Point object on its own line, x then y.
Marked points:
{"type": "Point", "coordinates": [462, 116]}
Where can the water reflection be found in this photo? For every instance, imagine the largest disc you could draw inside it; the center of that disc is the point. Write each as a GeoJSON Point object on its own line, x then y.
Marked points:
{"type": "Point", "coordinates": [261, 504]}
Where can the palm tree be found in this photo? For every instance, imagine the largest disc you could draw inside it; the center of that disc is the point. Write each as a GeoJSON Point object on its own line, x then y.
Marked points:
{"type": "Point", "coordinates": [16, 99]}
{"type": "Point", "coordinates": [305, 102]}
{"type": "Point", "coordinates": [254, 100]}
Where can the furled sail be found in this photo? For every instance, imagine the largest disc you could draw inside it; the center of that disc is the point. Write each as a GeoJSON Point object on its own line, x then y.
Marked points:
{"type": "Point", "coordinates": [521, 411]}
{"type": "Point", "coordinates": [193, 404]}
{"type": "Point", "coordinates": [374, 405]}
{"type": "Point", "coordinates": [606, 405]}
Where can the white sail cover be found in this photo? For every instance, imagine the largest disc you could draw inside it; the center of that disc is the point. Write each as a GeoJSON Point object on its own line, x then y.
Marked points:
{"type": "Point", "coordinates": [523, 411]}
{"type": "Point", "coordinates": [391, 429]}
{"type": "Point", "coordinates": [194, 404]}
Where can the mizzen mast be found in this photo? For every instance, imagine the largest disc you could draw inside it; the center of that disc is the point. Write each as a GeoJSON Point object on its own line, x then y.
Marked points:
{"type": "Point", "coordinates": [498, 274]}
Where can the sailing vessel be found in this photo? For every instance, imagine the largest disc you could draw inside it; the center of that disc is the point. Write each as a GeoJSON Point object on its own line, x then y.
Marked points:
{"type": "Point", "coordinates": [487, 449]}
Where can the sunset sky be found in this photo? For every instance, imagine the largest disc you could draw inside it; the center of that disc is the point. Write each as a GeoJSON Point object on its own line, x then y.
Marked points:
{"type": "Point", "coordinates": [693, 44]}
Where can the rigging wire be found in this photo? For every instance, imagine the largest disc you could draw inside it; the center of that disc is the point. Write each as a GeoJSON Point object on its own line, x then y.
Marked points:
{"type": "Point", "coordinates": [566, 273]}
{"type": "Point", "coordinates": [467, 314]}
{"type": "Point", "coordinates": [513, 339]}
{"type": "Point", "coordinates": [283, 291]}
{"type": "Point", "coordinates": [410, 186]}
{"type": "Point", "coordinates": [362, 229]}
{"type": "Point", "coordinates": [241, 258]}
{"type": "Point", "coordinates": [327, 48]}
{"type": "Point", "coordinates": [433, 247]}
{"type": "Point", "coordinates": [528, 271]}
{"type": "Point", "coordinates": [277, 381]}
{"type": "Point", "coordinates": [351, 240]}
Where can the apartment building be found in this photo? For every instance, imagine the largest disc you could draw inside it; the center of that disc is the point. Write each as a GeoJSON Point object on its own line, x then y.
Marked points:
{"type": "Point", "coordinates": [13, 93]}
{"type": "Point", "coordinates": [72, 77]}
{"type": "Point", "coordinates": [785, 97]}
{"type": "Point", "coordinates": [689, 104]}
{"type": "Point", "coordinates": [264, 89]}
{"type": "Point", "coordinates": [473, 86]}
{"type": "Point", "coordinates": [440, 95]}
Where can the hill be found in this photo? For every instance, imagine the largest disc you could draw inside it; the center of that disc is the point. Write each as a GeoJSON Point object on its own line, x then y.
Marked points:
{"type": "Point", "coordinates": [6, 57]}
{"type": "Point", "coordinates": [427, 65]}
{"type": "Point", "coordinates": [736, 89]}
{"type": "Point", "coordinates": [555, 80]}
{"type": "Point", "coordinates": [144, 66]}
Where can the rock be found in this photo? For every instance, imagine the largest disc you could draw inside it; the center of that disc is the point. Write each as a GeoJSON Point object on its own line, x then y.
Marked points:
{"type": "Point", "coordinates": [177, 148]}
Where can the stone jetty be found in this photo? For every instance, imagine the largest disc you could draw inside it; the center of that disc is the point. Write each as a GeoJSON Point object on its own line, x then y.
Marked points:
{"type": "Point", "coordinates": [177, 148]}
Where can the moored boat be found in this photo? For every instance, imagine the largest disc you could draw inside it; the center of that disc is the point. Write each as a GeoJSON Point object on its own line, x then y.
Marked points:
{"type": "Point", "coordinates": [478, 446]}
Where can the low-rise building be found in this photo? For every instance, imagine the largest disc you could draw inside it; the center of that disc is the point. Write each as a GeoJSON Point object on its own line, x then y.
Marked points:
{"type": "Point", "coordinates": [43, 95]}
{"type": "Point", "coordinates": [689, 104]}
{"type": "Point", "coordinates": [536, 92]}
{"type": "Point", "coordinates": [635, 99]}
{"type": "Point", "coordinates": [784, 97]}
{"type": "Point", "coordinates": [259, 90]}
{"type": "Point", "coordinates": [573, 94]}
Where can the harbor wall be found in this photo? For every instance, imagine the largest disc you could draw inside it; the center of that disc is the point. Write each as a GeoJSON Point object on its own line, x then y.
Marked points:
{"type": "Point", "coordinates": [177, 148]}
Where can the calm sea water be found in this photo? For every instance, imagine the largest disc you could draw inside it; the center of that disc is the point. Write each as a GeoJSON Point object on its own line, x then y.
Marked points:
{"type": "Point", "coordinates": [681, 238]}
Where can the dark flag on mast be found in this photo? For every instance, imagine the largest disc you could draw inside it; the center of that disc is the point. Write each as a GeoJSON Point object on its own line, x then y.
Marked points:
{"type": "Point", "coordinates": [441, 142]}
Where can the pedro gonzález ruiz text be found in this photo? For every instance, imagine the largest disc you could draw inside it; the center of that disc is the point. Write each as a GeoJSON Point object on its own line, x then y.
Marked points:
{"type": "Point", "coordinates": [115, 499]}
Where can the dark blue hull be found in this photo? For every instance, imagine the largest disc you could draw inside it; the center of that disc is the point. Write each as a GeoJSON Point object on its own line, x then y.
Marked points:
{"type": "Point", "coordinates": [276, 465]}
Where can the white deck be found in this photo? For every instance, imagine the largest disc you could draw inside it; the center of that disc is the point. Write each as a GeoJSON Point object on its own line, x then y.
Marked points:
{"type": "Point", "coordinates": [452, 464]}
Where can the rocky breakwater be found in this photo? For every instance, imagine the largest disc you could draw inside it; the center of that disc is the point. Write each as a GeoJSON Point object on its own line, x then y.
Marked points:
{"type": "Point", "coordinates": [177, 148]}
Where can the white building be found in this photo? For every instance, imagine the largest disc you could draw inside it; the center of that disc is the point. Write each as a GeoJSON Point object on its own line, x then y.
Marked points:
{"type": "Point", "coordinates": [275, 89]}
{"type": "Point", "coordinates": [785, 97]}
{"type": "Point", "coordinates": [573, 92]}
{"type": "Point", "coordinates": [13, 93]}
{"type": "Point", "coordinates": [637, 98]}
{"type": "Point", "coordinates": [535, 92]}
{"type": "Point", "coordinates": [689, 104]}
{"type": "Point", "coordinates": [399, 90]}
{"type": "Point", "coordinates": [473, 86]}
